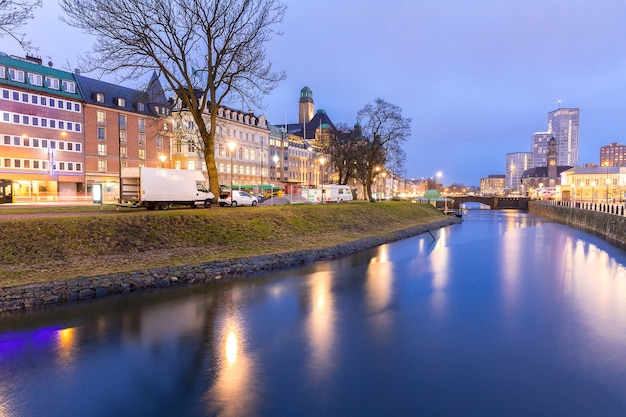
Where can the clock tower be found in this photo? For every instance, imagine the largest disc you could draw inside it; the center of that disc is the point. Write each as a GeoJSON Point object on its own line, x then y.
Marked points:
{"type": "Point", "coordinates": [551, 159]}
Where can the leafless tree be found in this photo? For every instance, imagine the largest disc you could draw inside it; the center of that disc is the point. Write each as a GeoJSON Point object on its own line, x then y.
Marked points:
{"type": "Point", "coordinates": [385, 127]}
{"type": "Point", "coordinates": [209, 51]}
{"type": "Point", "coordinates": [13, 15]}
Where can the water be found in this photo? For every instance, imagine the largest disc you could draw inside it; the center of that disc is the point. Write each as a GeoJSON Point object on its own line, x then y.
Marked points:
{"type": "Point", "coordinates": [504, 315]}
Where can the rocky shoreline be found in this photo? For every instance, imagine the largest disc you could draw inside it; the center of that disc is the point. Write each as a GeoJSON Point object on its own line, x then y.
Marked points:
{"type": "Point", "coordinates": [89, 287]}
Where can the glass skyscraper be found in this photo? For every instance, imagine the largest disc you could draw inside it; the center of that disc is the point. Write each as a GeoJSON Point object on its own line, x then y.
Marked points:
{"type": "Point", "coordinates": [563, 125]}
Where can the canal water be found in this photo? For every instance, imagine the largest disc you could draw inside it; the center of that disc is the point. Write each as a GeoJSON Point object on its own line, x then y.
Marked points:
{"type": "Point", "coordinates": [505, 314]}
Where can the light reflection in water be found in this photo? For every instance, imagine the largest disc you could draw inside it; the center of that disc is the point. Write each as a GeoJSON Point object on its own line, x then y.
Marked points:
{"type": "Point", "coordinates": [379, 292]}
{"type": "Point", "coordinates": [66, 342]}
{"type": "Point", "coordinates": [234, 392]}
{"type": "Point", "coordinates": [320, 325]}
{"type": "Point", "coordinates": [439, 270]}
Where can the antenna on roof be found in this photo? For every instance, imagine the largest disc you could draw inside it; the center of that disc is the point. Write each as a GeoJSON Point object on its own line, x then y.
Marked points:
{"type": "Point", "coordinates": [559, 101]}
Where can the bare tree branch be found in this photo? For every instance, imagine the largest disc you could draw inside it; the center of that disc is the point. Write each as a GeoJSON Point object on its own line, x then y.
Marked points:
{"type": "Point", "coordinates": [382, 123]}
{"type": "Point", "coordinates": [13, 15]}
{"type": "Point", "coordinates": [209, 52]}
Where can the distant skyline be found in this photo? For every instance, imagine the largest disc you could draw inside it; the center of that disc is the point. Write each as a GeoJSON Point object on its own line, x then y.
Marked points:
{"type": "Point", "coordinates": [477, 78]}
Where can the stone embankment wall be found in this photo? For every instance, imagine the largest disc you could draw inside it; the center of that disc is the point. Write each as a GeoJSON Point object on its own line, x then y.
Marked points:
{"type": "Point", "coordinates": [40, 294]}
{"type": "Point", "coordinates": [610, 226]}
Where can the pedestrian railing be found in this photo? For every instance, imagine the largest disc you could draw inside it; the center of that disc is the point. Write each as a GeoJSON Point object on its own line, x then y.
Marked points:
{"type": "Point", "coordinates": [610, 208]}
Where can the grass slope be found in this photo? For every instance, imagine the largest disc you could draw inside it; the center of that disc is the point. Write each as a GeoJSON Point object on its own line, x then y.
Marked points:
{"type": "Point", "coordinates": [39, 249]}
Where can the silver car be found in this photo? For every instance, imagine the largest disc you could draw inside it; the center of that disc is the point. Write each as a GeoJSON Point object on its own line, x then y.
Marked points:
{"type": "Point", "coordinates": [237, 198]}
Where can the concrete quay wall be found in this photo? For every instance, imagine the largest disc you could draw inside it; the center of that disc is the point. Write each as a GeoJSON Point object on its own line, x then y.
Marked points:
{"type": "Point", "coordinates": [89, 287]}
{"type": "Point", "coordinates": [610, 226]}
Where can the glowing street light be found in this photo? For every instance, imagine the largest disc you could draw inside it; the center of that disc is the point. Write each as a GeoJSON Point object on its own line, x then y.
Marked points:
{"type": "Point", "coordinates": [322, 162]}
{"type": "Point", "coordinates": [162, 158]}
{"type": "Point", "coordinates": [231, 148]}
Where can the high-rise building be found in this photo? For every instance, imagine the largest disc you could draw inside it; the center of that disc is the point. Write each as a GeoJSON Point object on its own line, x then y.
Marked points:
{"type": "Point", "coordinates": [613, 155]}
{"type": "Point", "coordinates": [516, 164]}
{"type": "Point", "coordinates": [563, 125]}
{"type": "Point", "coordinates": [539, 148]}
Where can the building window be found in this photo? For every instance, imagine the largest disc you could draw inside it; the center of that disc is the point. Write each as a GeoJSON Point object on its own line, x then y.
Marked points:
{"type": "Point", "coordinates": [101, 117]}
{"type": "Point", "coordinates": [2, 72]}
{"type": "Point", "coordinates": [191, 165]}
{"type": "Point", "coordinates": [77, 107]}
{"type": "Point", "coordinates": [159, 142]}
{"type": "Point", "coordinates": [25, 97]}
{"type": "Point", "coordinates": [77, 147]}
{"type": "Point", "coordinates": [140, 107]}
{"type": "Point", "coordinates": [142, 138]}
{"type": "Point", "coordinates": [123, 151]}
{"type": "Point", "coordinates": [35, 79]}
{"type": "Point", "coordinates": [52, 83]}
{"type": "Point", "coordinates": [16, 75]}
{"type": "Point", "coordinates": [120, 102]}
{"type": "Point", "coordinates": [34, 99]}
{"type": "Point", "coordinates": [122, 136]}
{"type": "Point", "coordinates": [122, 121]}
{"type": "Point", "coordinates": [141, 125]}
{"type": "Point", "coordinates": [142, 154]}
{"type": "Point", "coordinates": [101, 133]}
{"type": "Point", "coordinates": [99, 98]}
{"type": "Point", "coordinates": [69, 86]}
{"type": "Point", "coordinates": [102, 166]}
{"type": "Point", "coordinates": [102, 149]}
{"type": "Point", "coordinates": [79, 166]}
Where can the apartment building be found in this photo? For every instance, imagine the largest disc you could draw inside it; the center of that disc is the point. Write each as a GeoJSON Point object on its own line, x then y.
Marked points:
{"type": "Point", "coordinates": [124, 127]}
{"type": "Point", "coordinates": [41, 129]}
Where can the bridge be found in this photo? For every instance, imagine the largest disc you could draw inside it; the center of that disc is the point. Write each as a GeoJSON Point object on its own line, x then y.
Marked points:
{"type": "Point", "coordinates": [519, 203]}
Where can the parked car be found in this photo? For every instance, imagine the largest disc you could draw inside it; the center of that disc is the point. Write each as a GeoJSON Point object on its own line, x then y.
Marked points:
{"type": "Point", "coordinates": [239, 198]}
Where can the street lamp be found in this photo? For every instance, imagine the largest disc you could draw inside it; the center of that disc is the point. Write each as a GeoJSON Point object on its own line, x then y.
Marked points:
{"type": "Point", "coordinates": [606, 164]}
{"type": "Point", "coordinates": [593, 190]}
{"type": "Point", "coordinates": [231, 148]}
{"type": "Point", "coordinates": [162, 158]}
{"type": "Point", "coordinates": [322, 162]}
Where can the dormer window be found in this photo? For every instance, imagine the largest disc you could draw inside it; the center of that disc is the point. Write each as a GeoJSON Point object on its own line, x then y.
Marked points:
{"type": "Point", "coordinates": [53, 83]}
{"type": "Point", "coordinates": [99, 97]}
{"type": "Point", "coordinates": [140, 107]}
{"type": "Point", "coordinates": [2, 73]}
{"type": "Point", "coordinates": [35, 79]}
{"type": "Point", "coordinates": [69, 86]}
{"type": "Point", "coordinates": [120, 102]}
{"type": "Point", "coordinates": [16, 75]}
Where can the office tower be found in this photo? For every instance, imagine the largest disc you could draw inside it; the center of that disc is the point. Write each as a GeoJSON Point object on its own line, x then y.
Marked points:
{"type": "Point", "coordinates": [563, 125]}
{"type": "Point", "coordinates": [516, 164]}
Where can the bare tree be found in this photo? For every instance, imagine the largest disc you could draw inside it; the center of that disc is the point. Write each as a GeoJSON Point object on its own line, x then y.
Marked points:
{"type": "Point", "coordinates": [382, 123]}
{"type": "Point", "coordinates": [13, 15]}
{"type": "Point", "coordinates": [208, 51]}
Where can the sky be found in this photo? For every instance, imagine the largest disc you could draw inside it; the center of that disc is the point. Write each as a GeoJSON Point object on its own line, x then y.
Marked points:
{"type": "Point", "coordinates": [477, 77]}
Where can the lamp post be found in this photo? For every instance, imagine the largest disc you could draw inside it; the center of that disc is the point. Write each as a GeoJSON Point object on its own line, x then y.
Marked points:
{"type": "Point", "coordinates": [162, 158]}
{"type": "Point", "coordinates": [606, 164]}
{"type": "Point", "coordinates": [322, 162]}
{"type": "Point", "coordinates": [593, 190]}
{"type": "Point", "coordinates": [231, 148]}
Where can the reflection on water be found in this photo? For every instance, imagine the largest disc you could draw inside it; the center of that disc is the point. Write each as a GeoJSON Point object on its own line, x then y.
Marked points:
{"type": "Point", "coordinates": [505, 314]}
{"type": "Point", "coordinates": [320, 325]}
{"type": "Point", "coordinates": [234, 392]}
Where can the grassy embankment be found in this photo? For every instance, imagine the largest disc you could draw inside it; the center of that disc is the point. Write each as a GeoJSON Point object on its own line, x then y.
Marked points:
{"type": "Point", "coordinates": [38, 249]}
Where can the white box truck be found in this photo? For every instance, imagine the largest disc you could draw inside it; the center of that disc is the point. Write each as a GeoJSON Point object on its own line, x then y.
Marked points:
{"type": "Point", "coordinates": [334, 193]}
{"type": "Point", "coordinates": [159, 188]}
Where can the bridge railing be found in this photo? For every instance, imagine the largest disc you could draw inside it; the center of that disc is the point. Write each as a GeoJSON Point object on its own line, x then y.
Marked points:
{"type": "Point", "coordinates": [618, 209]}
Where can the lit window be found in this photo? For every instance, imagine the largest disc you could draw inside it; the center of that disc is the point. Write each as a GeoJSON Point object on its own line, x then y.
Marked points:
{"type": "Point", "coordinates": [142, 154]}
{"type": "Point", "coordinates": [101, 117]}
{"type": "Point", "coordinates": [120, 102]}
{"type": "Point", "coordinates": [99, 97]}
{"type": "Point", "coordinates": [102, 149]}
{"type": "Point", "coordinates": [102, 166]}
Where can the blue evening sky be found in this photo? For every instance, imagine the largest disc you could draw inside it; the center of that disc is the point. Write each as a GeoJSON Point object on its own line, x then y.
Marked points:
{"type": "Point", "coordinates": [477, 77]}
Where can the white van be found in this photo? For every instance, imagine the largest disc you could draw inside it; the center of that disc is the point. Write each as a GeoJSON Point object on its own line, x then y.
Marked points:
{"type": "Point", "coordinates": [334, 193]}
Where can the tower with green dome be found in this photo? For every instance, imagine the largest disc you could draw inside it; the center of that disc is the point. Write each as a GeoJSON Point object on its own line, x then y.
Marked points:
{"type": "Point", "coordinates": [306, 106]}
